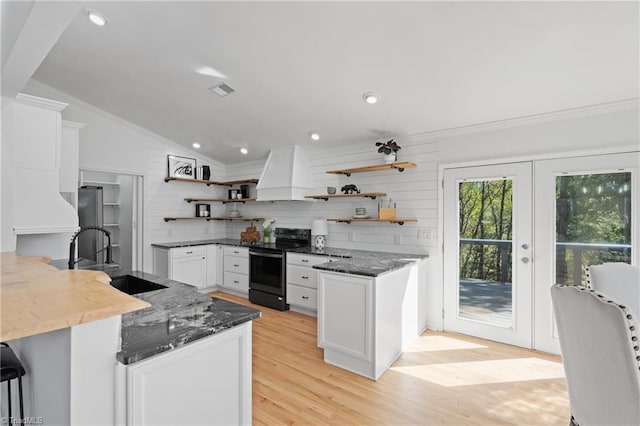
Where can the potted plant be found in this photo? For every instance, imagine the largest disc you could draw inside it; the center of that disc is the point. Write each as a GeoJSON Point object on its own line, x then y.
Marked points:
{"type": "Point", "coordinates": [266, 230]}
{"type": "Point", "coordinates": [389, 149]}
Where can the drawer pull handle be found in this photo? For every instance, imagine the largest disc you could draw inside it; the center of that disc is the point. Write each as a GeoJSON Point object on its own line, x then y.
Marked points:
{"type": "Point", "coordinates": [189, 252]}
{"type": "Point", "coordinates": [305, 278]}
{"type": "Point", "coordinates": [236, 281]}
{"type": "Point", "coordinates": [305, 260]}
{"type": "Point", "coordinates": [236, 265]}
{"type": "Point", "coordinates": [305, 297]}
{"type": "Point", "coordinates": [236, 252]}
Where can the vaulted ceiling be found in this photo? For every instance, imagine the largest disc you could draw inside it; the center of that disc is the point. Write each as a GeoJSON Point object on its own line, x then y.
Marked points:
{"type": "Point", "coordinates": [299, 67]}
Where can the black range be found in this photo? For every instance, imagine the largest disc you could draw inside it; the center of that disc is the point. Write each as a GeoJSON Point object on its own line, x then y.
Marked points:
{"type": "Point", "coordinates": [268, 267]}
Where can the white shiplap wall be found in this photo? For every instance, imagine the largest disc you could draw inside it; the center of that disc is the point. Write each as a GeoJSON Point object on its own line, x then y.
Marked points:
{"type": "Point", "coordinates": [414, 191]}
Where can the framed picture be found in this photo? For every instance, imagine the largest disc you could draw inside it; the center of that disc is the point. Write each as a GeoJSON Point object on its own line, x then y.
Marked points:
{"type": "Point", "coordinates": [181, 167]}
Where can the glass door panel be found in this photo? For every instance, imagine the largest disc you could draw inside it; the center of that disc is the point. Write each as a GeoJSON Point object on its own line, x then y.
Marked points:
{"type": "Point", "coordinates": [593, 222]}
{"type": "Point", "coordinates": [485, 215]}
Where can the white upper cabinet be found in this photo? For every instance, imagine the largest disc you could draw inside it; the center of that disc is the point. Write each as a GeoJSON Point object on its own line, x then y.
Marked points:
{"type": "Point", "coordinates": [38, 207]}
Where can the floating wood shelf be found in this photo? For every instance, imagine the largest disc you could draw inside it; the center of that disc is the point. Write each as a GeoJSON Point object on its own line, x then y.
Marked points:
{"type": "Point", "coordinates": [212, 182]}
{"type": "Point", "coordinates": [349, 220]}
{"type": "Point", "coordinates": [219, 200]}
{"type": "Point", "coordinates": [326, 197]}
{"type": "Point", "coordinates": [238, 182]}
{"type": "Point", "coordinates": [248, 219]}
{"type": "Point", "coordinates": [167, 219]}
{"type": "Point", "coordinates": [399, 166]}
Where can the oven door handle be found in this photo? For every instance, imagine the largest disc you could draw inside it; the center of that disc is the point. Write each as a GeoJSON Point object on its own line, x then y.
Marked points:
{"type": "Point", "coordinates": [277, 256]}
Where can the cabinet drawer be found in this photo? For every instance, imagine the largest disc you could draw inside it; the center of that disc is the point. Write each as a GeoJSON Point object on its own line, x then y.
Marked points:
{"type": "Point", "coordinates": [235, 281]}
{"type": "Point", "coordinates": [307, 260]}
{"type": "Point", "coordinates": [299, 275]}
{"type": "Point", "coordinates": [239, 265]}
{"type": "Point", "coordinates": [236, 251]}
{"type": "Point", "coordinates": [302, 296]}
{"type": "Point", "coordinates": [188, 251]}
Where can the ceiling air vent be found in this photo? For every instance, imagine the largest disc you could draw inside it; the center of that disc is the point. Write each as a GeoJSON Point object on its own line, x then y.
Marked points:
{"type": "Point", "coordinates": [222, 89]}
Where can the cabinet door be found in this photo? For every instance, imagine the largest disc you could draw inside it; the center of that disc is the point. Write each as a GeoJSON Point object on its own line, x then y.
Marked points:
{"type": "Point", "coordinates": [345, 314]}
{"type": "Point", "coordinates": [220, 262]}
{"type": "Point", "coordinates": [205, 382]}
{"type": "Point", "coordinates": [212, 266]}
{"type": "Point", "coordinates": [190, 270]}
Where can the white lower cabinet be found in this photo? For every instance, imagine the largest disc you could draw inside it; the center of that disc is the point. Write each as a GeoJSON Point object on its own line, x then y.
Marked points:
{"type": "Point", "coordinates": [365, 323]}
{"type": "Point", "coordinates": [345, 323]}
{"type": "Point", "coordinates": [189, 265]}
{"type": "Point", "coordinates": [205, 382]}
{"type": "Point", "coordinates": [236, 269]}
{"type": "Point", "coordinates": [302, 281]}
{"type": "Point", "coordinates": [215, 268]}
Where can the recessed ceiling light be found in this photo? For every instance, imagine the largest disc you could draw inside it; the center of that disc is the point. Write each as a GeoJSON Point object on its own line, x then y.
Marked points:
{"type": "Point", "coordinates": [97, 18]}
{"type": "Point", "coordinates": [196, 145]}
{"type": "Point", "coordinates": [371, 97]}
{"type": "Point", "coordinates": [244, 151]}
{"type": "Point", "coordinates": [314, 136]}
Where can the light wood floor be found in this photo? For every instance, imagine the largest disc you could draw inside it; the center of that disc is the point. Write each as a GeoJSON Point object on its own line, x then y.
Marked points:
{"type": "Point", "coordinates": [444, 379]}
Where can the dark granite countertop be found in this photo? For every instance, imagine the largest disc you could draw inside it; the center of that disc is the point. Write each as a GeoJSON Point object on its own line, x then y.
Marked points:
{"type": "Point", "coordinates": [355, 262]}
{"type": "Point", "coordinates": [363, 262]}
{"type": "Point", "coordinates": [225, 241]}
{"type": "Point", "coordinates": [178, 315]}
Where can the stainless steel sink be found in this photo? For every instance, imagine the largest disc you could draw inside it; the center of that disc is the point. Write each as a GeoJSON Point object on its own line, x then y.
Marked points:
{"type": "Point", "coordinates": [133, 285]}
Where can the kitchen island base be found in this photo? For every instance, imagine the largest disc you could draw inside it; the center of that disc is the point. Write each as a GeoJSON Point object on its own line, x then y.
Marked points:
{"type": "Point", "coordinates": [204, 382]}
{"type": "Point", "coordinates": [366, 323]}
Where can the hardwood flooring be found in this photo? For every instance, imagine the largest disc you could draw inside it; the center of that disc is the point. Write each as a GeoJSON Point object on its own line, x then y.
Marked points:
{"type": "Point", "coordinates": [444, 379]}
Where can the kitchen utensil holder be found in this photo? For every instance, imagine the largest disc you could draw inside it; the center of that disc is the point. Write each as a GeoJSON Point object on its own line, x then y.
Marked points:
{"type": "Point", "coordinates": [386, 214]}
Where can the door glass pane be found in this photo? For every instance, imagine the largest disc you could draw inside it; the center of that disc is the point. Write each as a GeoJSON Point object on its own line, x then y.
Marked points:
{"type": "Point", "coordinates": [485, 259]}
{"type": "Point", "coordinates": [593, 223]}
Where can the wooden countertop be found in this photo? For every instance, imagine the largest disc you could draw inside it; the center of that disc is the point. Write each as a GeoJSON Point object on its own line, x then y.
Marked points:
{"type": "Point", "coordinates": [36, 298]}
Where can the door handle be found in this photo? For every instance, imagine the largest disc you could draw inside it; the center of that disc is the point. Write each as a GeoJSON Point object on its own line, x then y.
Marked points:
{"type": "Point", "coordinates": [525, 260]}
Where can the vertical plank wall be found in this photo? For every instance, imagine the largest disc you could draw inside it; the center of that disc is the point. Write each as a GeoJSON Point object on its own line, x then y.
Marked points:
{"type": "Point", "coordinates": [414, 191]}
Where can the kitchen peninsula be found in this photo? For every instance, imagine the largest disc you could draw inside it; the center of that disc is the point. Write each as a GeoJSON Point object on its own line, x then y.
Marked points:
{"type": "Point", "coordinates": [71, 329]}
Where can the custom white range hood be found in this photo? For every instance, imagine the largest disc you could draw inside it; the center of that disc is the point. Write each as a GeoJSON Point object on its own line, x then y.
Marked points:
{"type": "Point", "coordinates": [286, 175]}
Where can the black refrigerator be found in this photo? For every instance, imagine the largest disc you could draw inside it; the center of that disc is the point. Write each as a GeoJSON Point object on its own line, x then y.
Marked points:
{"type": "Point", "coordinates": [90, 213]}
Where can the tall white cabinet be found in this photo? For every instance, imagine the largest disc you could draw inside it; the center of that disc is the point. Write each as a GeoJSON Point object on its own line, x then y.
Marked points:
{"type": "Point", "coordinates": [36, 219]}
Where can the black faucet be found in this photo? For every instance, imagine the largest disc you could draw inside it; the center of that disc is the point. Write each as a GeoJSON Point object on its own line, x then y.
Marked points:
{"type": "Point", "coordinates": [72, 246]}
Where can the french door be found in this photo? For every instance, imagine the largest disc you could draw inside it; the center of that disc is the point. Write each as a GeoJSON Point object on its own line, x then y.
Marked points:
{"type": "Point", "coordinates": [586, 212]}
{"type": "Point", "coordinates": [487, 252]}
{"type": "Point", "coordinates": [499, 235]}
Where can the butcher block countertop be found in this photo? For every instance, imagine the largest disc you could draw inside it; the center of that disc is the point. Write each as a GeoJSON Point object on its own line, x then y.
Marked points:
{"type": "Point", "coordinates": [37, 298]}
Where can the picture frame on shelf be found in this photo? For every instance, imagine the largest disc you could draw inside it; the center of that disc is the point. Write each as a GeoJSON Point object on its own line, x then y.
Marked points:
{"type": "Point", "coordinates": [181, 167]}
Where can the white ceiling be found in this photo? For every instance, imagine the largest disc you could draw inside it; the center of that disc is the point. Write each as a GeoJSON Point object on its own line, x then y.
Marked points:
{"type": "Point", "coordinates": [303, 66]}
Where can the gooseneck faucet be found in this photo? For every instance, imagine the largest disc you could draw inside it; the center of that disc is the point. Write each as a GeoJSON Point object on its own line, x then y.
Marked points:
{"type": "Point", "coordinates": [72, 246]}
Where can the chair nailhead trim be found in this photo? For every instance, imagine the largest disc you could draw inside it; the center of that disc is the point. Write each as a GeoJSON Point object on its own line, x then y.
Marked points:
{"type": "Point", "coordinates": [628, 316]}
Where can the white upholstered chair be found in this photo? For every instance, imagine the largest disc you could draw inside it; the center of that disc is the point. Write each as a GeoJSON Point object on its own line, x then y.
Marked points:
{"type": "Point", "coordinates": [620, 281]}
{"type": "Point", "coordinates": [601, 356]}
